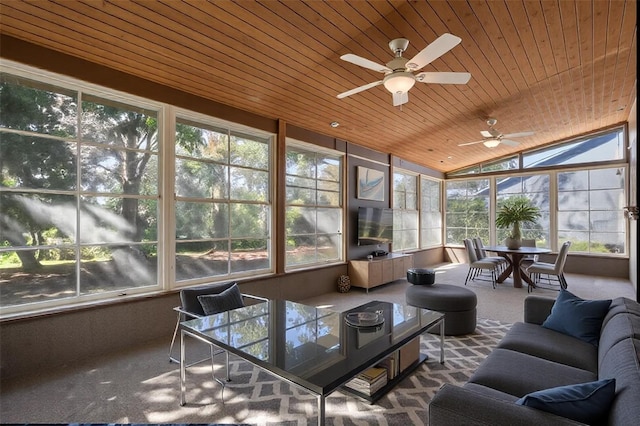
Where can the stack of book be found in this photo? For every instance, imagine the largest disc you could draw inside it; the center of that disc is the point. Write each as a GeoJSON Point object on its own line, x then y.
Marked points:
{"type": "Point", "coordinates": [370, 381]}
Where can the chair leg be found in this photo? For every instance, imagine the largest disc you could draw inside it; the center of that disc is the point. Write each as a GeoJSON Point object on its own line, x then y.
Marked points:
{"type": "Point", "coordinates": [467, 279]}
{"type": "Point", "coordinates": [173, 340]}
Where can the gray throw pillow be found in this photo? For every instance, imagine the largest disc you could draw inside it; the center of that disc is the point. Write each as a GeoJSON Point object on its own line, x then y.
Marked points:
{"type": "Point", "coordinates": [227, 300]}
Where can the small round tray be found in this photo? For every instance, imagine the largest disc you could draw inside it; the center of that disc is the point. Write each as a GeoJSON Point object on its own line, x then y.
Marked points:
{"type": "Point", "coordinates": [364, 319]}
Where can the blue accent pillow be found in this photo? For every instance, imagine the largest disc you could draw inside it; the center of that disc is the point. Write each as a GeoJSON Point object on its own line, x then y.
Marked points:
{"type": "Point", "coordinates": [576, 317]}
{"type": "Point", "coordinates": [584, 402]}
{"type": "Point", "coordinates": [226, 300]}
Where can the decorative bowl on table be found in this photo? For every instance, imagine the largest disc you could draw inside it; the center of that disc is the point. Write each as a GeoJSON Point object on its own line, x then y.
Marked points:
{"type": "Point", "coordinates": [364, 319]}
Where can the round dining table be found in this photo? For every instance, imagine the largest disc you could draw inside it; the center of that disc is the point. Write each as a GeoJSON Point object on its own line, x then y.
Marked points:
{"type": "Point", "coordinates": [514, 259]}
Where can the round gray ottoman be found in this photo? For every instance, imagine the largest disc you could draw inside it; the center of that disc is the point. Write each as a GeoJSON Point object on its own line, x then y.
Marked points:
{"type": "Point", "coordinates": [458, 305]}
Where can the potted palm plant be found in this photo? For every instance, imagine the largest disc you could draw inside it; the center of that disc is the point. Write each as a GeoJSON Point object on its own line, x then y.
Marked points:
{"type": "Point", "coordinates": [513, 212]}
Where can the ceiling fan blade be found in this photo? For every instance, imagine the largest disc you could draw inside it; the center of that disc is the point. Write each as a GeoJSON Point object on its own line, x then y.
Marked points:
{"type": "Point", "coordinates": [470, 143]}
{"type": "Point", "coordinates": [487, 134]}
{"type": "Point", "coordinates": [444, 77]}
{"type": "Point", "coordinates": [400, 98]}
{"type": "Point", "coordinates": [518, 135]}
{"type": "Point", "coordinates": [362, 62]}
{"type": "Point", "coordinates": [509, 142]}
{"type": "Point", "coordinates": [433, 51]}
{"type": "Point", "coordinates": [359, 89]}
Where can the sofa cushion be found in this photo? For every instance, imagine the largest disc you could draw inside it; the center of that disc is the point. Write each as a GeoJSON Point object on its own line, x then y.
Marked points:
{"type": "Point", "coordinates": [619, 327]}
{"type": "Point", "coordinates": [585, 402]}
{"type": "Point", "coordinates": [577, 317]}
{"type": "Point", "coordinates": [622, 305]}
{"type": "Point", "coordinates": [549, 344]}
{"type": "Point", "coordinates": [227, 300]}
{"type": "Point", "coordinates": [622, 362]}
{"type": "Point", "coordinates": [519, 374]}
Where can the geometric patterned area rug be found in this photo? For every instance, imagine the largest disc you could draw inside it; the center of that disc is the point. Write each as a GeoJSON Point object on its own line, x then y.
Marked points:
{"type": "Point", "coordinates": [258, 398]}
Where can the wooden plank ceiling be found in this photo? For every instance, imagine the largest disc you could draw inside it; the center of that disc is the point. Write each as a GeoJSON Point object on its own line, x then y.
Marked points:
{"type": "Point", "coordinates": [557, 68]}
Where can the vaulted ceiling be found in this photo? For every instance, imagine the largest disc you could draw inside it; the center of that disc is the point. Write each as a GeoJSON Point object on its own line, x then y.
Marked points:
{"type": "Point", "coordinates": [557, 68]}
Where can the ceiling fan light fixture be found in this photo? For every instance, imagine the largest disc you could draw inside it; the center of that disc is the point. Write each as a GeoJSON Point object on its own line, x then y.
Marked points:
{"type": "Point", "coordinates": [399, 82]}
{"type": "Point", "coordinates": [491, 143]}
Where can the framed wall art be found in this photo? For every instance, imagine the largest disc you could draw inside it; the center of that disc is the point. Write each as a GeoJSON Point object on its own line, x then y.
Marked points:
{"type": "Point", "coordinates": [370, 184]}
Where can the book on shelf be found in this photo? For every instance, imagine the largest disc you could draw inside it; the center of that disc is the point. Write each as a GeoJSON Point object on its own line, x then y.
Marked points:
{"type": "Point", "coordinates": [370, 381]}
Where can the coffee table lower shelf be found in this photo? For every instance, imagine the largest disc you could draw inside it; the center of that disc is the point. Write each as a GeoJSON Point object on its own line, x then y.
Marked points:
{"type": "Point", "coordinates": [390, 384]}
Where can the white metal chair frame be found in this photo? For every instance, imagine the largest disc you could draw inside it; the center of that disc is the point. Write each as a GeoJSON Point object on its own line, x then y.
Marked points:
{"type": "Point", "coordinates": [476, 266]}
{"type": "Point", "coordinates": [553, 271]}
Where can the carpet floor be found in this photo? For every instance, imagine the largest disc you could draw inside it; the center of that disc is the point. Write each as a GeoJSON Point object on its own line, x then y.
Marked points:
{"type": "Point", "coordinates": [151, 392]}
{"type": "Point", "coordinates": [140, 386]}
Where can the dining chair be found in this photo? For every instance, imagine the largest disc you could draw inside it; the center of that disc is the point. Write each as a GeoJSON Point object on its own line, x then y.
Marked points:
{"type": "Point", "coordinates": [476, 266]}
{"type": "Point", "coordinates": [481, 254]}
{"type": "Point", "coordinates": [529, 258]}
{"type": "Point", "coordinates": [197, 302]}
{"type": "Point", "coordinates": [552, 271]}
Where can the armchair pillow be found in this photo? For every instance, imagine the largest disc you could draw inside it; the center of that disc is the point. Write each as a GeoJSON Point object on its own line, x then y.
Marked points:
{"type": "Point", "coordinates": [226, 300]}
{"type": "Point", "coordinates": [577, 317]}
{"type": "Point", "coordinates": [585, 402]}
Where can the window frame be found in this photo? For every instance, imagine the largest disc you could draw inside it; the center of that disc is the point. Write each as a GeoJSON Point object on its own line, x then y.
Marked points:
{"type": "Point", "coordinates": [307, 148]}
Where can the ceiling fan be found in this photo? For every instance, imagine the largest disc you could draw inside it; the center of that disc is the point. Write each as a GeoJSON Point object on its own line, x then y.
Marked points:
{"type": "Point", "coordinates": [399, 76]}
{"type": "Point", "coordinates": [493, 138]}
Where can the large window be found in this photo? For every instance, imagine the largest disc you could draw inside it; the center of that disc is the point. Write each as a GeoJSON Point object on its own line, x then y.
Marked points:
{"type": "Point", "coordinates": [313, 206]}
{"type": "Point", "coordinates": [590, 210]}
{"type": "Point", "coordinates": [78, 191]}
{"type": "Point", "coordinates": [467, 210]}
{"type": "Point", "coordinates": [405, 211]}
{"type": "Point", "coordinates": [430, 213]}
{"type": "Point", "coordinates": [222, 209]}
{"type": "Point", "coordinates": [536, 189]}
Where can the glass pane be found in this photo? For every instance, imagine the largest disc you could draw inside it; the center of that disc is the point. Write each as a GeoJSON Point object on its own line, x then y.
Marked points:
{"type": "Point", "coordinates": [113, 123]}
{"type": "Point", "coordinates": [300, 164]}
{"type": "Point", "coordinates": [300, 220]}
{"type": "Point", "coordinates": [329, 247]}
{"type": "Point", "coordinates": [108, 268]}
{"type": "Point", "coordinates": [606, 178]}
{"type": "Point", "coordinates": [249, 255]}
{"type": "Point", "coordinates": [326, 198]}
{"type": "Point", "coordinates": [37, 219]}
{"type": "Point", "coordinates": [301, 250]}
{"type": "Point", "coordinates": [607, 242]}
{"type": "Point", "coordinates": [37, 163]}
{"type": "Point", "coordinates": [301, 196]}
{"type": "Point", "coordinates": [329, 169]}
{"type": "Point", "coordinates": [37, 107]}
{"type": "Point", "coordinates": [249, 153]}
{"type": "Point", "coordinates": [607, 221]}
{"type": "Point", "coordinates": [329, 185]}
{"type": "Point", "coordinates": [41, 275]}
{"type": "Point", "coordinates": [412, 202]}
{"type": "Point", "coordinates": [247, 184]}
{"type": "Point", "coordinates": [200, 141]}
{"type": "Point", "coordinates": [195, 221]}
{"type": "Point", "coordinates": [196, 179]}
{"type": "Point", "coordinates": [123, 220]}
{"type": "Point", "coordinates": [573, 221]}
{"type": "Point", "coordinates": [201, 259]}
{"type": "Point", "coordinates": [612, 199]}
{"type": "Point", "coordinates": [601, 147]}
{"type": "Point", "coordinates": [105, 169]}
{"type": "Point", "coordinates": [568, 201]}
{"type": "Point", "coordinates": [572, 181]}
{"type": "Point", "coordinates": [329, 221]}
{"type": "Point", "coordinates": [249, 220]}
{"type": "Point", "coordinates": [300, 182]}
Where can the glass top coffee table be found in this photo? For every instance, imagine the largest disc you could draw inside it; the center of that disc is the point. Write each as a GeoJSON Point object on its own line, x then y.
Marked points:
{"type": "Point", "coordinates": [313, 348]}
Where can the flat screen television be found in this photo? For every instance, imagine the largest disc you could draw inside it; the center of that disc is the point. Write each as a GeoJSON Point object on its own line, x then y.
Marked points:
{"type": "Point", "coordinates": [375, 226]}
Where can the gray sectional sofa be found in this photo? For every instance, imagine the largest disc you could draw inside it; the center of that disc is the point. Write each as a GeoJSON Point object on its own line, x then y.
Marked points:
{"type": "Point", "coordinates": [532, 358]}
